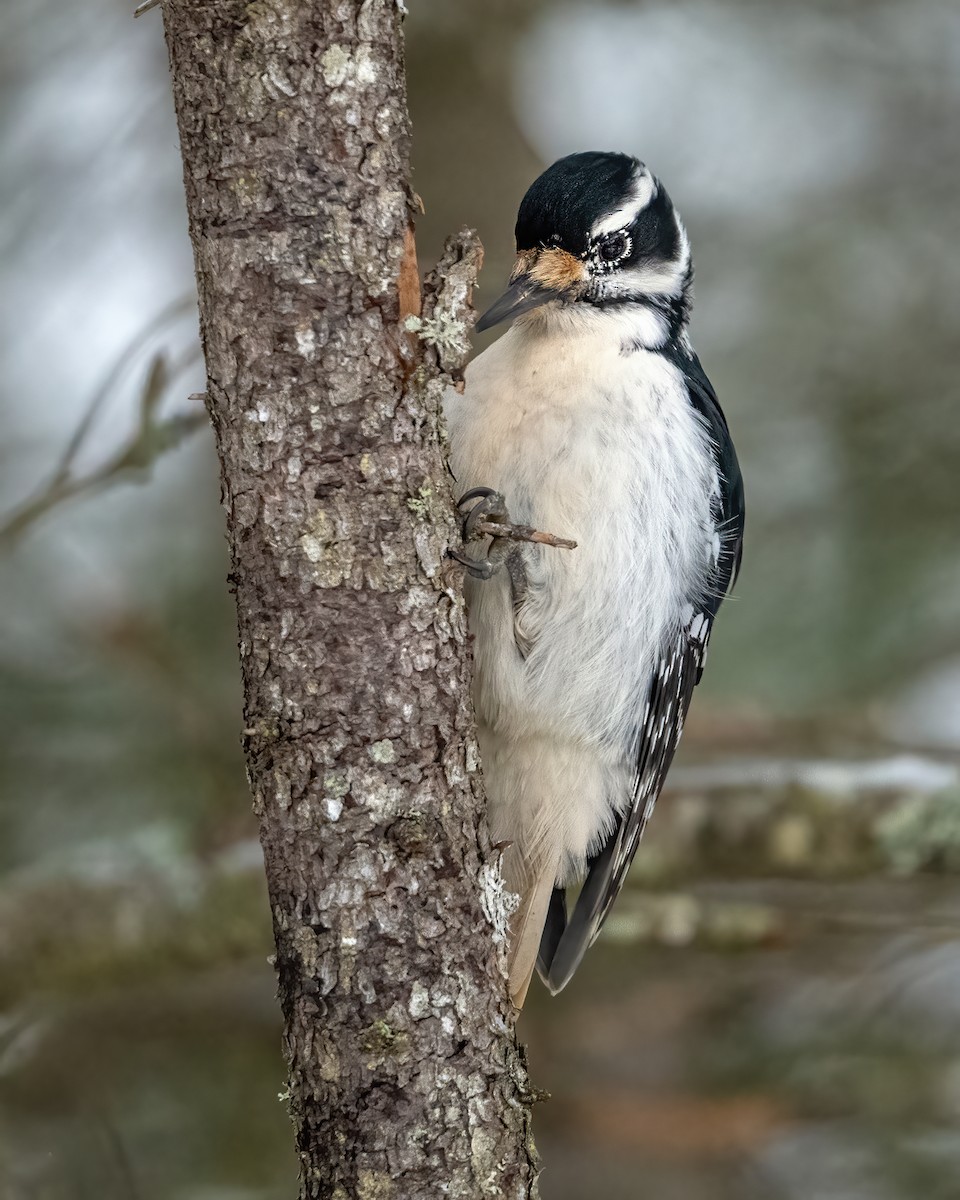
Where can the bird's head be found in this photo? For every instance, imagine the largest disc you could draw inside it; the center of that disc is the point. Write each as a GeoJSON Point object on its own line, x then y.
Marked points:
{"type": "Point", "coordinates": [598, 230]}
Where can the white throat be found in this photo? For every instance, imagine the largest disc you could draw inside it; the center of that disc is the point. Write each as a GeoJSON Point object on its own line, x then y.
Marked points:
{"type": "Point", "coordinates": [628, 326]}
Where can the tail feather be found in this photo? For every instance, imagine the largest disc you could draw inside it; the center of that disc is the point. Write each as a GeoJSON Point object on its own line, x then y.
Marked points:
{"type": "Point", "coordinates": [552, 931]}
{"type": "Point", "coordinates": [526, 926]}
{"type": "Point", "coordinates": [560, 953]}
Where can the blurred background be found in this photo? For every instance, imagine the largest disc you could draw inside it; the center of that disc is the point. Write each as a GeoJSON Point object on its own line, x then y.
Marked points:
{"type": "Point", "coordinates": [774, 1011]}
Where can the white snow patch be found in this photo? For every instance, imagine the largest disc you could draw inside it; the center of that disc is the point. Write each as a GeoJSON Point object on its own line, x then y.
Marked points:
{"type": "Point", "coordinates": [898, 773]}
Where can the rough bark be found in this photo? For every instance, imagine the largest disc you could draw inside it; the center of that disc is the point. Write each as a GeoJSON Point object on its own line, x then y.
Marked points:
{"type": "Point", "coordinates": [323, 386]}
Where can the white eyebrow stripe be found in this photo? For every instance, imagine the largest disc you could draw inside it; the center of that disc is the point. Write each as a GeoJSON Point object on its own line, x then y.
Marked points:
{"type": "Point", "coordinates": [643, 191]}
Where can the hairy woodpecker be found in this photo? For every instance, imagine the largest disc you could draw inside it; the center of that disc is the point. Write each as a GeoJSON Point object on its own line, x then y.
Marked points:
{"type": "Point", "coordinates": [591, 417]}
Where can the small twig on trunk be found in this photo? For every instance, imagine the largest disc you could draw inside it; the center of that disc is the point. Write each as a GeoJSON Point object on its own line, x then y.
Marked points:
{"type": "Point", "coordinates": [523, 533]}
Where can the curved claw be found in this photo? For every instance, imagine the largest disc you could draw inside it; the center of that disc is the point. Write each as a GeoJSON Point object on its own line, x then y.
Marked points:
{"type": "Point", "coordinates": [491, 507]}
{"type": "Point", "coordinates": [479, 568]}
{"type": "Point", "coordinates": [474, 494]}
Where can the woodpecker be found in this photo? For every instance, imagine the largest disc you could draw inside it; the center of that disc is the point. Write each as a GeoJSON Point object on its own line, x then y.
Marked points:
{"type": "Point", "coordinates": [593, 418]}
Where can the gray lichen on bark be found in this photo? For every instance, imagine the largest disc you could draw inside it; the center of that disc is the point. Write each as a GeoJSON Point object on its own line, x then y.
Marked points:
{"type": "Point", "coordinates": [405, 1079]}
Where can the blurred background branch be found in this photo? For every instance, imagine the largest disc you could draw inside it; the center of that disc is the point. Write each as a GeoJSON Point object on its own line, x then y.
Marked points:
{"type": "Point", "coordinates": [153, 435]}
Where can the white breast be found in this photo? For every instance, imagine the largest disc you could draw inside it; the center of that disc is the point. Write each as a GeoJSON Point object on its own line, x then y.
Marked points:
{"type": "Point", "coordinates": [604, 447]}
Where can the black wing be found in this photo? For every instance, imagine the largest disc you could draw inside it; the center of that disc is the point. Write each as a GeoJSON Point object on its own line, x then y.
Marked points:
{"type": "Point", "coordinates": [564, 941]}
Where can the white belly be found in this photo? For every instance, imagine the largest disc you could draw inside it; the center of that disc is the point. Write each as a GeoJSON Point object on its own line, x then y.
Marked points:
{"type": "Point", "coordinates": [604, 448]}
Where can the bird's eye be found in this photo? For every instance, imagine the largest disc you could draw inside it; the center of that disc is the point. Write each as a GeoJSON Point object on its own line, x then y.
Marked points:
{"type": "Point", "coordinates": [615, 247]}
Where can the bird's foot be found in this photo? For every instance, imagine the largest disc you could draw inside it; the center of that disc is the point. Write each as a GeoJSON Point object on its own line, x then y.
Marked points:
{"type": "Point", "coordinates": [489, 508]}
{"type": "Point", "coordinates": [489, 518]}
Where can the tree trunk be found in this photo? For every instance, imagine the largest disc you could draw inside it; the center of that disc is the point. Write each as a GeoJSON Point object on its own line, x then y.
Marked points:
{"type": "Point", "coordinates": [324, 389]}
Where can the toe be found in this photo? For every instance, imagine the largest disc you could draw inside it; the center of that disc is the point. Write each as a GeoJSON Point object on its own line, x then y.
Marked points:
{"type": "Point", "coordinates": [475, 494]}
{"type": "Point", "coordinates": [478, 568]}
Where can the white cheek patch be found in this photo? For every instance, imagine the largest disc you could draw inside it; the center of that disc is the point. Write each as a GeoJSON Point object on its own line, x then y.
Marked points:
{"type": "Point", "coordinates": [664, 279]}
{"type": "Point", "coordinates": [641, 193]}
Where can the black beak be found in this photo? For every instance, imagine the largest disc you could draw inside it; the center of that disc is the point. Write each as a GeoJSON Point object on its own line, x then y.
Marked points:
{"type": "Point", "coordinates": [520, 297]}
